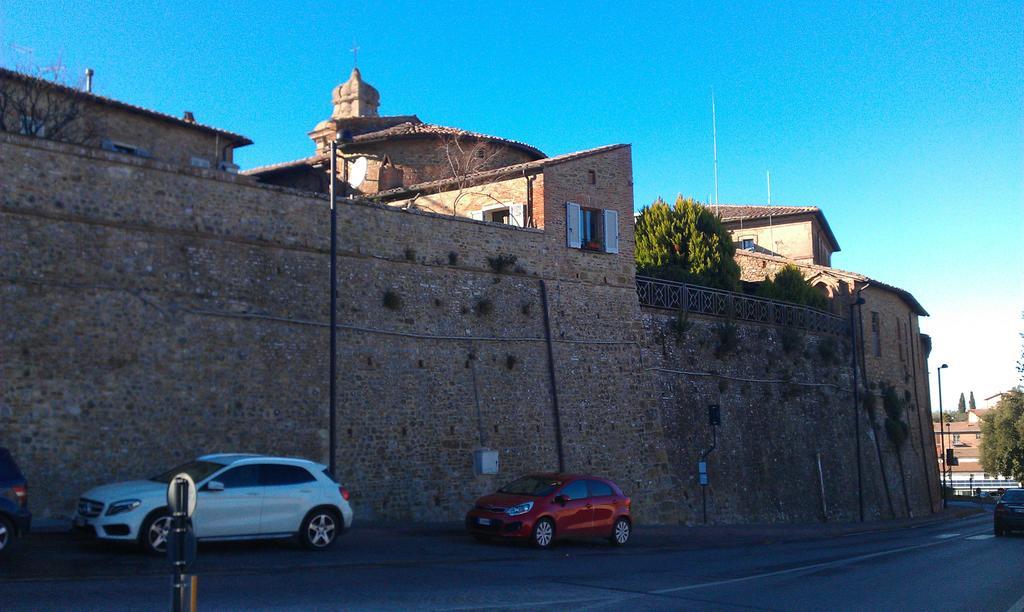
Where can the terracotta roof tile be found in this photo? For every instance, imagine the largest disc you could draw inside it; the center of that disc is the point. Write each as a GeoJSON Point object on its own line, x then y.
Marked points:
{"type": "Point", "coordinates": [428, 129]}
{"type": "Point", "coordinates": [494, 174]}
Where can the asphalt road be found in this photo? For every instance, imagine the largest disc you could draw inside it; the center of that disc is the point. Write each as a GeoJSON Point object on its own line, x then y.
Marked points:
{"type": "Point", "coordinates": [944, 565]}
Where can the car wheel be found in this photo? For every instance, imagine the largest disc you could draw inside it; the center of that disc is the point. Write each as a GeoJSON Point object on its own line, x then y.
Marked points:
{"type": "Point", "coordinates": [621, 532]}
{"type": "Point", "coordinates": [7, 535]}
{"type": "Point", "coordinates": [543, 533]}
{"type": "Point", "coordinates": [999, 531]}
{"type": "Point", "coordinates": [319, 529]}
{"type": "Point", "coordinates": [154, 533]}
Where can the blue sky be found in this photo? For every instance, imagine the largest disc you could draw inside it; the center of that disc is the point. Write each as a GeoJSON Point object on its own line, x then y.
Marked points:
{"type": "Point", "coordinates": [903, 121]}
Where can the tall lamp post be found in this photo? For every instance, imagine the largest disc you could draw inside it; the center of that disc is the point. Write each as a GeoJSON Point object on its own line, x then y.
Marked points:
{"type": "Point", "coordinates": [336, 145]}
{"type": "Point", "coordinates": [942, 437]}
{"type": "Point", "coordinates": [856, 405]}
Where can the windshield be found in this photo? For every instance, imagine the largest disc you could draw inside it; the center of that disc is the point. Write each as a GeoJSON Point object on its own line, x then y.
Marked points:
{"type": "Point", "coordinates": [1015, 495]}
{"type": "Point", "coordinates": [198, 470]}
{"type": "Point", "coordinates": [535, 486]}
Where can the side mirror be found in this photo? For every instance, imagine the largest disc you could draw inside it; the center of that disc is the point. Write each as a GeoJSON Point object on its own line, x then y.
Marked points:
{"type": "Point", "coordinates": [561, 499]}
{"type": "Point", "coordinates": [215, 485]}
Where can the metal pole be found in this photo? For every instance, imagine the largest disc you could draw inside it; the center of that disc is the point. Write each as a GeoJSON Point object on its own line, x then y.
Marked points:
{"type": "Point", "coordinates": [856, 414]}
{"type": "Point", "coordinates": [942, 438]}
{"type": "Point", "coordinates": [334, 309]}
{"type": "Point", "coordinates": [178, 601]}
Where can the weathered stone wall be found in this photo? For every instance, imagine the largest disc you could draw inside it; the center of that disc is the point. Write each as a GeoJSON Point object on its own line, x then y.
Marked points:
{"type": "Point", "coordinates": [785, 402]}
{"type": "Point", "coordinates": [152, 312]}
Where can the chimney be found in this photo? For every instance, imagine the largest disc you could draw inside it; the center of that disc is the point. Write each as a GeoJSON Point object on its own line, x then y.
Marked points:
{"type": "Point", "coordinates": [88, 80]}
{"type": "Point", "coordinates": [189, 117]}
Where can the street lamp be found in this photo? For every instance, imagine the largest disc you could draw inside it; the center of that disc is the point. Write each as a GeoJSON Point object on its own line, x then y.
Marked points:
{"type": "Point", "coordinates": [336, 145]}
{"type": "Point", "coordinates": [856, 405]}
{"type": "Point", "coordinates": [942, 437]}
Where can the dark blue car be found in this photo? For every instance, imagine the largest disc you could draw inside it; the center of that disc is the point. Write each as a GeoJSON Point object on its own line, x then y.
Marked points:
{"type": "Point", "coordinates": [15, 519]}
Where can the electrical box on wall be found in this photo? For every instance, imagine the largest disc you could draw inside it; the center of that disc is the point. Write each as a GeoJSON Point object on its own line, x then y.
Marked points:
{"type": "Point", "coordinates": [485, 461]}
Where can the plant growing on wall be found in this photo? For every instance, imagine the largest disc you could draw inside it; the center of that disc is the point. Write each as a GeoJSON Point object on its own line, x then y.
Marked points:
{"type": "Point", "coordinates": [392, 300]}
{"type": "Point", "coordinates": [789, 285]}
{"type": "Point", "coordinates": [897, 430]}
{"type": "Point", "coordinates": [727, 339]}
{"type": "Point", "coordinates": [501, 263]}
{"type": "Point", "coordinates": [792, 339]}
{"type": "Point", "coordinates": [687, 243]}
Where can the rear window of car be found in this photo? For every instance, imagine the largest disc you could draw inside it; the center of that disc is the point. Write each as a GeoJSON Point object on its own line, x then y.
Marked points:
{"type": "Point", "coordinates": [241, 476]}
{"type": "Point", "coordinates": [599, 489]}
{"type": "Point", "coordinates": [198, 470]}
{"type": "Point", "coordinates": [1013, 496]}
{"type": "Point", "coordinates": [8, 469]}
{"type": "Point", "coordinates": [576, 490]}
{"type": "Point", "coordinates": [276, 474]}
{"type": "Point", "coordinates": [535, 486]}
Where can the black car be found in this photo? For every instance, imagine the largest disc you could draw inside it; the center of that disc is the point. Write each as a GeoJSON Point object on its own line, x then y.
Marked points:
{"type": "Point", "coordinates": [15, 519]}
{"type": "Point", "coordinates": [1009, 512]}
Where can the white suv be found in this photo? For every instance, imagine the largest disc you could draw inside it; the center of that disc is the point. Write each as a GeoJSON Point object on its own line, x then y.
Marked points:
{"type": "Point", "coordinates": [239, 497]}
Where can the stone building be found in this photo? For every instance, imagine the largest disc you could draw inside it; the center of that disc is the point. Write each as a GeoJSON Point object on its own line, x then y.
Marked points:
{"type": "Point", "coordinates": [890, 348]}
{"type": "Point", "coordinates": [43, 108]}
{"type": "Point", "coordinates": [798, 233]}
{"type": "Point", "coordinates": [400, 149]}
{"type": "Point", "coordinates": [487, 299]}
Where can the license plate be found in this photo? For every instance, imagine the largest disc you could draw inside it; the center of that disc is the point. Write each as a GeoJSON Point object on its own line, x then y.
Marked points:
{"type": "Point", "coordinates": [483, 521]}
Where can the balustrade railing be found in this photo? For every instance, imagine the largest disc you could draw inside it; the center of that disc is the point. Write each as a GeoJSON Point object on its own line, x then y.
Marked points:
{"type": "Point", "coordinates": [669, 295]}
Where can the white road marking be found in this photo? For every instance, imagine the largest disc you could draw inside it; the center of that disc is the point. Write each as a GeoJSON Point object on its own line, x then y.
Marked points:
{"type": "Point", "coordinates": [805, 568]}
{"type": "Point", "coordinates": [982, 537]}
{"type": "Point", "coordinates": [1017, 607]}
{"type": "Point", "coordinates": [946, 536]}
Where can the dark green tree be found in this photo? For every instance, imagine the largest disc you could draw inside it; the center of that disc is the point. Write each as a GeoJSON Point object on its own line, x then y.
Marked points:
{"type": "Point", "coordinates": [962, 405]}
{"type": "Point", "coordinates": [1002, 437]}
{"type": "Point", "coordinates": [972, 404]}
{"type": "Point", "coordinates": [789, 285]}
{"type": "Point", "coordinates": [685, 242]}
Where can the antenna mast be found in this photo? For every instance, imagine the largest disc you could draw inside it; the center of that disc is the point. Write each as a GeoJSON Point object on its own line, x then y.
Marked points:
{"type": "Point", "coordinates": [714, 141]}
{"type": "Point", "coordinates": [771, 228]}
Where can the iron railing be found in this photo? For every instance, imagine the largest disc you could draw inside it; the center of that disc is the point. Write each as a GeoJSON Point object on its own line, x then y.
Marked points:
{"type": "Point", "coordinates": [669, 295]}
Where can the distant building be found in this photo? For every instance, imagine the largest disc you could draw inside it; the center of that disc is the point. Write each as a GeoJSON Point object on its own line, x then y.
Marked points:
{"type": "Point", "coordinates": [965, 439]}
{"type": "Point", "coordinates": [798, 233]}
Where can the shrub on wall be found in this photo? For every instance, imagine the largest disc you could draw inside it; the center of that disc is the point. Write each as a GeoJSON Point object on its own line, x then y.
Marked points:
{"type": "Point", "coordinates": [727, 340]}
{"type": "Point", "coordinates": [894, 407]}
{"type": "Point", "coordinates": [392, 300]}
{"type": "Point", "coordinates": [792, 339]}
{"type": "Point", "coordinates": [686, 243]}
{"type": "Point", "coordinates": [501, 263]}
{"type": "Point", "coordinates": [789, 285]}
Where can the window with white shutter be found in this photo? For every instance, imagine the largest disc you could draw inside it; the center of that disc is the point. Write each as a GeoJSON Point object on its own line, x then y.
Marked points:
{"type": "Point", "coordinates": [517, 215]}
{"type": "Point", "coordinates": [611, 231]}
{"type": "Point", "coordinates": [572, 224]}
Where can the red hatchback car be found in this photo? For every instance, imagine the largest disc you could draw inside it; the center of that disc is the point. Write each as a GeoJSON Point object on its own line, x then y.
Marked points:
{"type": "Point", "coordinates": [546, 507]}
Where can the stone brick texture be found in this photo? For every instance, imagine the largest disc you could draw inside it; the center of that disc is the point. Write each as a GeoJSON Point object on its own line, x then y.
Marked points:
{"type": "Point", "coordinates": [781, 410]}
{"type": "Point", "coordinates": [153, 312]}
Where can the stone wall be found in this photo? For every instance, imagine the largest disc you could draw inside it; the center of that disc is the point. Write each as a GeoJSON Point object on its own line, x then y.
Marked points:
{"type": "Point", "coordinates": [153, 312]}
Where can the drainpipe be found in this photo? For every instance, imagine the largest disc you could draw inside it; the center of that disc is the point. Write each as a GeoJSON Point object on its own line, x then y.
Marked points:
{"type": "Point", "coordinates": [551, 374]}
{"type": "Point", "coordinates": [856, 405]}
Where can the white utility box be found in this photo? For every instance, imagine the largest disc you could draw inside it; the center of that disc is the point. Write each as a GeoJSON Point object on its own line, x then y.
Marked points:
{"type": "Point", "coordinates": [485, 461]}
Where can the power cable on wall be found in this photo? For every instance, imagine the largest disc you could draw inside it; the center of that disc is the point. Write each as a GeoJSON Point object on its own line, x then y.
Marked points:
{"type": "Point", "coordinates": [753, 380]}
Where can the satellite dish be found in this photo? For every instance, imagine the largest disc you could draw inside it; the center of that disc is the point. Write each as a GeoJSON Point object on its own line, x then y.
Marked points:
{"type": "Point", "coordinates": [357, 174]}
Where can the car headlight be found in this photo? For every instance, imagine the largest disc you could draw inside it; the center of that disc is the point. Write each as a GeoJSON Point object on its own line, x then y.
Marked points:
{"type": "Point", "coordinates": [125, 505]}
{"type": "Point", "coordinates": [519, 509]}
